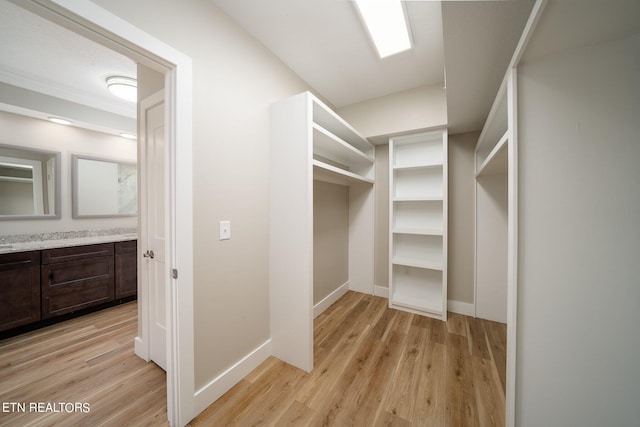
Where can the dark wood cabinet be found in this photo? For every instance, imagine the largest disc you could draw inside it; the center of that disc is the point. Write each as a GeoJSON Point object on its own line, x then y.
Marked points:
{"type": "Point", "coordinates": [76, 277]}
{"type": "Point", "coordinates": [126, 269]}
{"type": "Point", "coordinates": [19, 289]}
{"type": "Point", "coordinates": [38, 286]}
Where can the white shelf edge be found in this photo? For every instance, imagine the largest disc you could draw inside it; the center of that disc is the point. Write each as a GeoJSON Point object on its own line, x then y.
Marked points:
{"type": "Point", "coordinates": [362, 140]}
{"type": "Point", "coordinates": [419, 199]}
{"type": "Point", "coordinates": [495, 152]}
{"type": "Point", "coordinates": [408, 262]}
{"type": "Point", "coordinates": [419, 167]}
{"type": "Point", "coordinates": [399, 302]}
{"type": "Point", "coordinates": [408, 136]}
{"type": "Point", "coordinates": [336, 175]}
{"type": "Point", "coordinates": [501, 96]}
{"type": "Point", "coordinates": [418, 231]}
{"type": "Point", "coordinates": [344, 144]}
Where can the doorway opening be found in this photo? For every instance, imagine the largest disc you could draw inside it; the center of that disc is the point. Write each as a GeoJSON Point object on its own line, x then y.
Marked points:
{"type": "Point", "coordinates": [91, 21]}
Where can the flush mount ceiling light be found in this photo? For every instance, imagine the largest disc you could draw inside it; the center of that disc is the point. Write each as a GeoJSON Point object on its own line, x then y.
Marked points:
{"type": "Point", "coordinates": [385, 20]}
{"type": "Point", "coordinates": [123, 87]}
{"type": "Point", "coordinates": [59, 121]}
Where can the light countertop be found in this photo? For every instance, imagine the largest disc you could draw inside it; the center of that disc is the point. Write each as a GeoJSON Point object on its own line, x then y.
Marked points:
{"type": "Point", "coordinates": [11, 244]}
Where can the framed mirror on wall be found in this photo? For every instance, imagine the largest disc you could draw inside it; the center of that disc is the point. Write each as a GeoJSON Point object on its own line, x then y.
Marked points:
{"type": "Point", "coordinates": [103, 188]}
{"type": "Point", "coordinates": [29, 183]}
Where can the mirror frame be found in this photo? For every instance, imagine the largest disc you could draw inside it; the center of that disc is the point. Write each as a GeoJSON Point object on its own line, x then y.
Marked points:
{"type": "Point", "coordinates": [57, 214]}
{"type": "Point", "coordinates": [74, 186]}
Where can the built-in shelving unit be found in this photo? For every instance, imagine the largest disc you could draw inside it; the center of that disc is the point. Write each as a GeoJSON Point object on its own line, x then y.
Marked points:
{"type": "Point", "coordinates": [496, 202]}
{"type": "Point", "coordinates": [310, 142]}
{"type": "Point", "coordinates": [493, 165]}
{"type": "Point", "coordinates": [418, 223]}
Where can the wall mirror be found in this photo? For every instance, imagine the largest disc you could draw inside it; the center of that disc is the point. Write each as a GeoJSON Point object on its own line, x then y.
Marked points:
{"type": "Point", "coordinates": [29, 183]}
{"type": "Point", "coordinates": [103, 187]}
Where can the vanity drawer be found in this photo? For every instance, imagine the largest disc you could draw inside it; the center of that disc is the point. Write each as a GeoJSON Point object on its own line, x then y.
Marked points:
{"type": "Point", "coordinates": [76, 278]}
{"type": "Point", "coordinates": [75, 253]}
{"type": "Point", "coordinates": [19, 289]}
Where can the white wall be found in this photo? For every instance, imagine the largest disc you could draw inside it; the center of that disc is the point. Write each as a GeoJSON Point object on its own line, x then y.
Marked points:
{"type": "Point", "coordinates": [235, 79]}
{"type": "Point", "coordinates": [149, 82]}
{"type": "Point", "coordinates": [409, 110]}
{"type": "Point", "coordinates": [28, 132]}
{"type": "Point", "coordinates": [578, 349]}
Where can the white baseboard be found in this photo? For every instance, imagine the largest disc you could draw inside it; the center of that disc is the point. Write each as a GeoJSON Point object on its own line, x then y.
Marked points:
{"type": "Point", "coordinates": [459, 307]}
{"type": "Point", "coordinates": [330, 299]}
{"type": "Point", "coordinates": [141, 349]}
{"type": "Point", "coordinates": [223, 382]}
{"type": "Point", "coordinates": [381, 291]}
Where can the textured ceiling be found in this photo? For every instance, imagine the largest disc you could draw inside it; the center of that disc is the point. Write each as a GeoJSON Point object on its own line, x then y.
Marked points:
{"type": "Point", "coordinates": [38, 55]}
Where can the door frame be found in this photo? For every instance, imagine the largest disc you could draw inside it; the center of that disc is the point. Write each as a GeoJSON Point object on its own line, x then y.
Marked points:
{"type": "Point", "coordinates": [93, 22]}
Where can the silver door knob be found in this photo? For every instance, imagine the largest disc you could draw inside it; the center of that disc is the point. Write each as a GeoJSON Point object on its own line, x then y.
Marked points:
{"type": "Point", "coordinates": [148, 254]}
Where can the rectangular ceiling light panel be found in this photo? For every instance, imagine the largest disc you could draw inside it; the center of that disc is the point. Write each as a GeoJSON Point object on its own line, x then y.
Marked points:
{"type": "Point", "coordinates": [387, 25]}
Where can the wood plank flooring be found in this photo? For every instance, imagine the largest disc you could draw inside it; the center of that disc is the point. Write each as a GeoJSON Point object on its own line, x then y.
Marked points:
{"type": "Point", "coordinates": [373, 366]}
{"type": "Point", "coordinates": [377, 367]}
{"type": "Point", "coordinates": [86, 360]}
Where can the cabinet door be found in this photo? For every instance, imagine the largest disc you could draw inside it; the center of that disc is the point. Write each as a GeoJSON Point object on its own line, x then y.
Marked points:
{"type": "Point", "coordinates": [19, 289]}
{"type": "Point", "coordinates": [126, 269]}
{"type": "Point", "coordinates": [85, 281]}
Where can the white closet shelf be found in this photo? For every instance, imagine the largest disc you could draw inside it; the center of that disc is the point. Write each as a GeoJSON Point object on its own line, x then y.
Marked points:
{"type": "Point", "coordinates": [411, 262]}
{"type": "Point", "coordinates": [418, 199]}
{"type": "Point", "coordinates": [497, 122]}
{"type": "Point", "coordinates": [419, 231]}
{"type": "Point", "coordinates": [425, 302]}
{"type": "Point", "coordinates": [497, 162]}
{"type": "Point", "coordinates": [329, 120]}
{"type": "Point", "coordinates": [328, 173]}
{"type": "Point", "coordinates": [419, 167]}
{"type": "Point", "coordinates": [330, 146]}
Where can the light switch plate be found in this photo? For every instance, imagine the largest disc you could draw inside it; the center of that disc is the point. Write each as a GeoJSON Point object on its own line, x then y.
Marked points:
{"type": "Point", "coordinates": [225, 230]}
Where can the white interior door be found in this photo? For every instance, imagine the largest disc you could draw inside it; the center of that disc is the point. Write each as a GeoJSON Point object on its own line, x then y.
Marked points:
{"type": "Point", "coordinates": [153, 224]}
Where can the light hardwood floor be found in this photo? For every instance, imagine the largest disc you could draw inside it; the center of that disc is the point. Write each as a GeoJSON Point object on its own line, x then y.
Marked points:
{"type": "Point", "coordinates": [376, 366]}
{"type": "Point", "coordinates": [85, 360]}
{"type": "Point", "coordinates": [373, 366]}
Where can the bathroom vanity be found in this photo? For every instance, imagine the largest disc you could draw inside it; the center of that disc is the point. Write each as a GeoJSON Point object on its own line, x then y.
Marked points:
{"type": "Point", "coordinates": [52, 276]}
{"type": "Point", "coordinates": [64, 277]}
